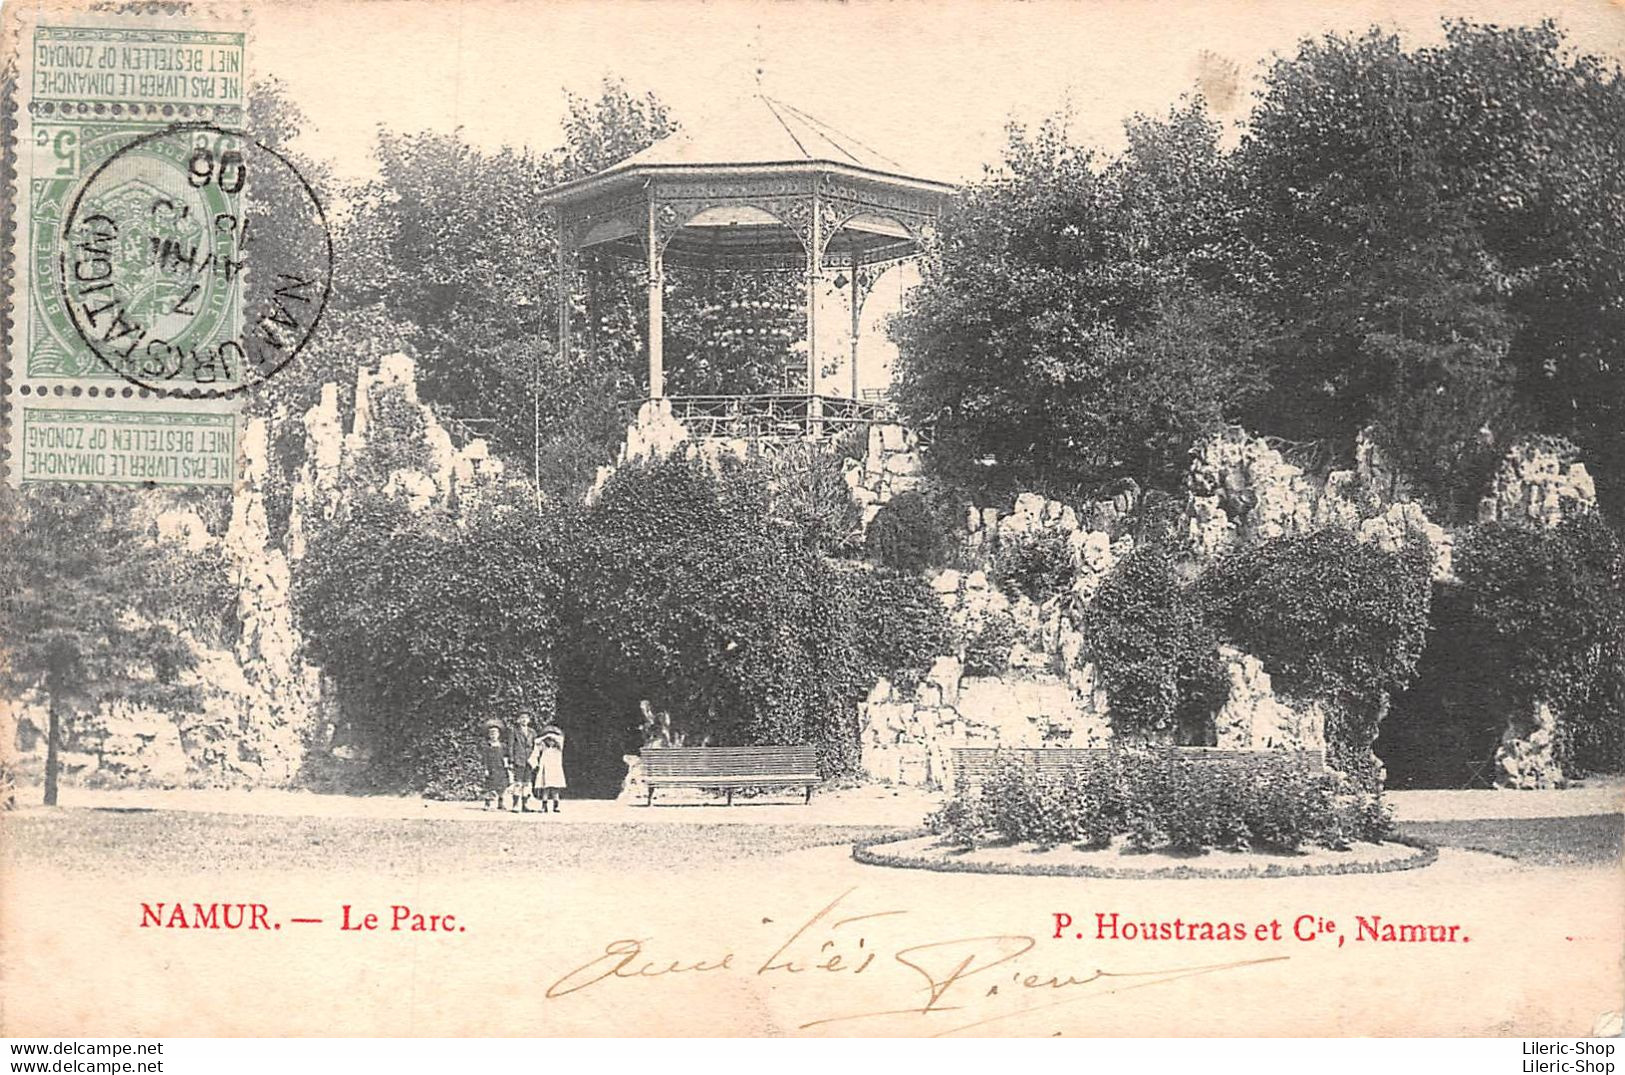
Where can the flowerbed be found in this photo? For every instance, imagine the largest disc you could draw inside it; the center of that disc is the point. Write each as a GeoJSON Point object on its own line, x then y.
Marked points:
{"type": "Point", "coordinates": [1148, 800]}
{"type": "Point", "coordinates": [1116, 861]}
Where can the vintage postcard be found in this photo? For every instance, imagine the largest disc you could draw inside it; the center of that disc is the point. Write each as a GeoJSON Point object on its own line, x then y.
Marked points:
{"type": "Point", "coordinates": [546, 519]}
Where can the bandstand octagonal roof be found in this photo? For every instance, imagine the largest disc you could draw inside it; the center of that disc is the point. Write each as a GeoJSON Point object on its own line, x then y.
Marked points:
{"type": "Point", "coordinates": [752, 186]}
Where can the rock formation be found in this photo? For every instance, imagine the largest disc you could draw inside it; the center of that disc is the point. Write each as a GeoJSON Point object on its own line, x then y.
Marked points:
{"type": "Point", "coordinates": [1253, 718]}
{"type": "Point", "coordinates": [261, 702]}
{"type": "Point", "coordinates": [1540, 482]}
{"type": "Point", "coordinates": [281, 693]}
{"type": "Point", "coordinates": [1242, 490]}
{"type": "Point", "coordinates": [891, 465]}
{"type": "Point", "coordinates": [1527, 755]}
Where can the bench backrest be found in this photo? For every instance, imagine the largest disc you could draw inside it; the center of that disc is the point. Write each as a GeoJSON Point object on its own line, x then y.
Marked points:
{"type": "Point", "coordinates": [730, 761]}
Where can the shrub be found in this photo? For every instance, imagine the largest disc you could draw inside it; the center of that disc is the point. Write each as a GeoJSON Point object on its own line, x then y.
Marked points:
{"type": "Point", "coordinates": [1024, 804]}
{"type": "Point", "coordinates": [1028, 805]}
{"type": "Point", "coordinates": [807, 493]}
{"type": "Point", "coordinates": [1146, 633]}
{"type": "Point", "coordinates": [910, 533]}
{"type": "Point", "coordinates": [958, 821]}
{"type": "Point", "coordinates": [1545, 612]}
{"type": "Point", "coordinates": [987, 650]}
{"type": "Point", "coordinates": [899, 624]}
{"type": "Point", "coordinates": [1038, 563]}
{"type": "Point", "coordinates": [1330, 618]}
{"type": "Point", "coordinates": [1160, 802]}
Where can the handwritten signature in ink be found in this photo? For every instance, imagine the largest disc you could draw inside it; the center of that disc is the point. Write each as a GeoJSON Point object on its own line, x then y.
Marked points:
{"type": "Point", "coordinates": [934, 975]}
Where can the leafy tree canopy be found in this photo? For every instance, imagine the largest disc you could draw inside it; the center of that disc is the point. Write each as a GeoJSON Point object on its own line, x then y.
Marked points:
{"type": "Point", "coordinates": [1065, 332]}
{"type": "Point", "coordinates": [93, 608]}
{"type": "Point", "coordinates": [1422, 241]}
{"type": "Point", "coordinates": [1442, 229]}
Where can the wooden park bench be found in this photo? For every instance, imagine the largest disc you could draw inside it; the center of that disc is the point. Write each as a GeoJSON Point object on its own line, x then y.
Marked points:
{"type": "Point", "coordinates": [730, 768]}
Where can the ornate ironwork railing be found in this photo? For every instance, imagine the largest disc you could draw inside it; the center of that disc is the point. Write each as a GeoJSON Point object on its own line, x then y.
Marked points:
{"type": "Point", "coordinates": [779, 416]}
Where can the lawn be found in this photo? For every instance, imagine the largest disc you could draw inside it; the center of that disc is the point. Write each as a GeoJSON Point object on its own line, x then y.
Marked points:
{"type": "Point", "coordinates": [1596, 840]}
{"type": "Point", "coordinates": [164, 840]}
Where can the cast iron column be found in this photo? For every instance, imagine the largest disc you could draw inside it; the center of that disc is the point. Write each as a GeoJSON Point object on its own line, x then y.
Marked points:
{"type": "Point", "coordinates": [657, 328]}
{"type": "Point", "coordinates": [857, 309]}
{"type": "Point", "coordinates": [815, 272]}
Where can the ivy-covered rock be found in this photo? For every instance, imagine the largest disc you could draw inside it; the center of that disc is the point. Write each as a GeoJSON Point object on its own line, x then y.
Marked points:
{"type": "Point", "coordinates": [1331, 618]}
{"type": "Point", "coordinates": [686, 589]}
{"type": "Point", "coordinates": [1545, 613]}
{"type": "Point", "coordinates": [1155, 652]}
{"type": "Point", "coordinates": [427, 628]}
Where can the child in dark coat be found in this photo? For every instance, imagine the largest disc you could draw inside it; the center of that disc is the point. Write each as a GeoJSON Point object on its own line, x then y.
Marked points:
{"type": "Point", "coordinates": [498, 769]}
{"type": "Point", "coordinates": [521, 747]}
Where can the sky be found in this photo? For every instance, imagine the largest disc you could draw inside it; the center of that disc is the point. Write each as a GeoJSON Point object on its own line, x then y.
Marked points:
{"type": "Point", "coordinates": [931, 85]}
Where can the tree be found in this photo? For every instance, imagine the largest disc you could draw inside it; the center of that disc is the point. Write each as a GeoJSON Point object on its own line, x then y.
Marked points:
{"type": "Point", "coordinates": [87, 605]}
{"type": "Point", "coordinates": [1440, 230]}
{"type": "Point", "coordinates": [1421, 243]}
{"type": "Point", "coordinates": [447, 243]}
{"type": "Point", "coordinates": [1072, 326]}
{"type": "Point", "coordinates": [280, 220]}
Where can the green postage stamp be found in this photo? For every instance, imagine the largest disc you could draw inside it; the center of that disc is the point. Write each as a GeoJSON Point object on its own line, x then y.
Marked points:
{"type": "Point", "coordinates": [121, 262]}
{"type": "Point", "coordinates": [153, 282]}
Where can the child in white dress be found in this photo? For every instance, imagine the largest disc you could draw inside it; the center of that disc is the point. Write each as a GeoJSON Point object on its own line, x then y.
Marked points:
{"type": "Point", "coordinates": [547, 762]}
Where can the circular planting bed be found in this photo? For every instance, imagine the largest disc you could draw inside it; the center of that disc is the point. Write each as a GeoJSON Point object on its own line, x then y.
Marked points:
{"type": "Point", "coordinates": [928, 852]}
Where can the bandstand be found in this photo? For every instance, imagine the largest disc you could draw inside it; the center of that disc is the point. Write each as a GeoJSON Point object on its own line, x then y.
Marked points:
{"type": "Point", "coordinates": [765, 188]}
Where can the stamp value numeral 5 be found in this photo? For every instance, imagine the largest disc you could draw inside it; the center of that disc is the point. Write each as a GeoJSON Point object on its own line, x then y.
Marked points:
{"type": "Point", "coordinates": [56, 152]}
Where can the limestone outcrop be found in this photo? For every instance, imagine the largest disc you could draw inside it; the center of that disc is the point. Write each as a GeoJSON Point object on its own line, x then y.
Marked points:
{"type": "Point", "coordinates": [1242, 490]}
{"type": "Point", "coordinates": [908, 734]}
{"type": "Point", "coordinates": [1527, 755]}
{"type": "Point", "coordinates": [261, 703]}
{"type": "Point", "coordinates": [891, 465]}
{"type": "Point", "coordinates": [1254, 718]}
{"type": "Point", "coordinates": [1540, 482]}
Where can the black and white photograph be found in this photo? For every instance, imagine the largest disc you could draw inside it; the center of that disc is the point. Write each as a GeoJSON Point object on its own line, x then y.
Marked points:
{"type": "Point", "coordinates": [530, 520]}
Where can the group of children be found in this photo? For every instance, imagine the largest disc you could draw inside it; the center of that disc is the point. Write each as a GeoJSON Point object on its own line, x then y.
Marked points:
{"type": "Point", "coordinates": [522, 764]}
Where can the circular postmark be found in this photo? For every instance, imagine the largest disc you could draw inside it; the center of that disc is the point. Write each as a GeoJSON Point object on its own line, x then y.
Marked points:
{"type": "Point", "coordinates": [195, 262]}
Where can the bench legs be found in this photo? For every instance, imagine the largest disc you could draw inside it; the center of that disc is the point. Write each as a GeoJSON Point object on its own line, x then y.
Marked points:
{"type": "Point", "coordinates": [649, 796]}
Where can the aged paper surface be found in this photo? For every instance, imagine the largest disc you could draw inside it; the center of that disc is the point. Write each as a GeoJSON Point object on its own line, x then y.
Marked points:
{"type": "Point", "coordinates": [235, 893]}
